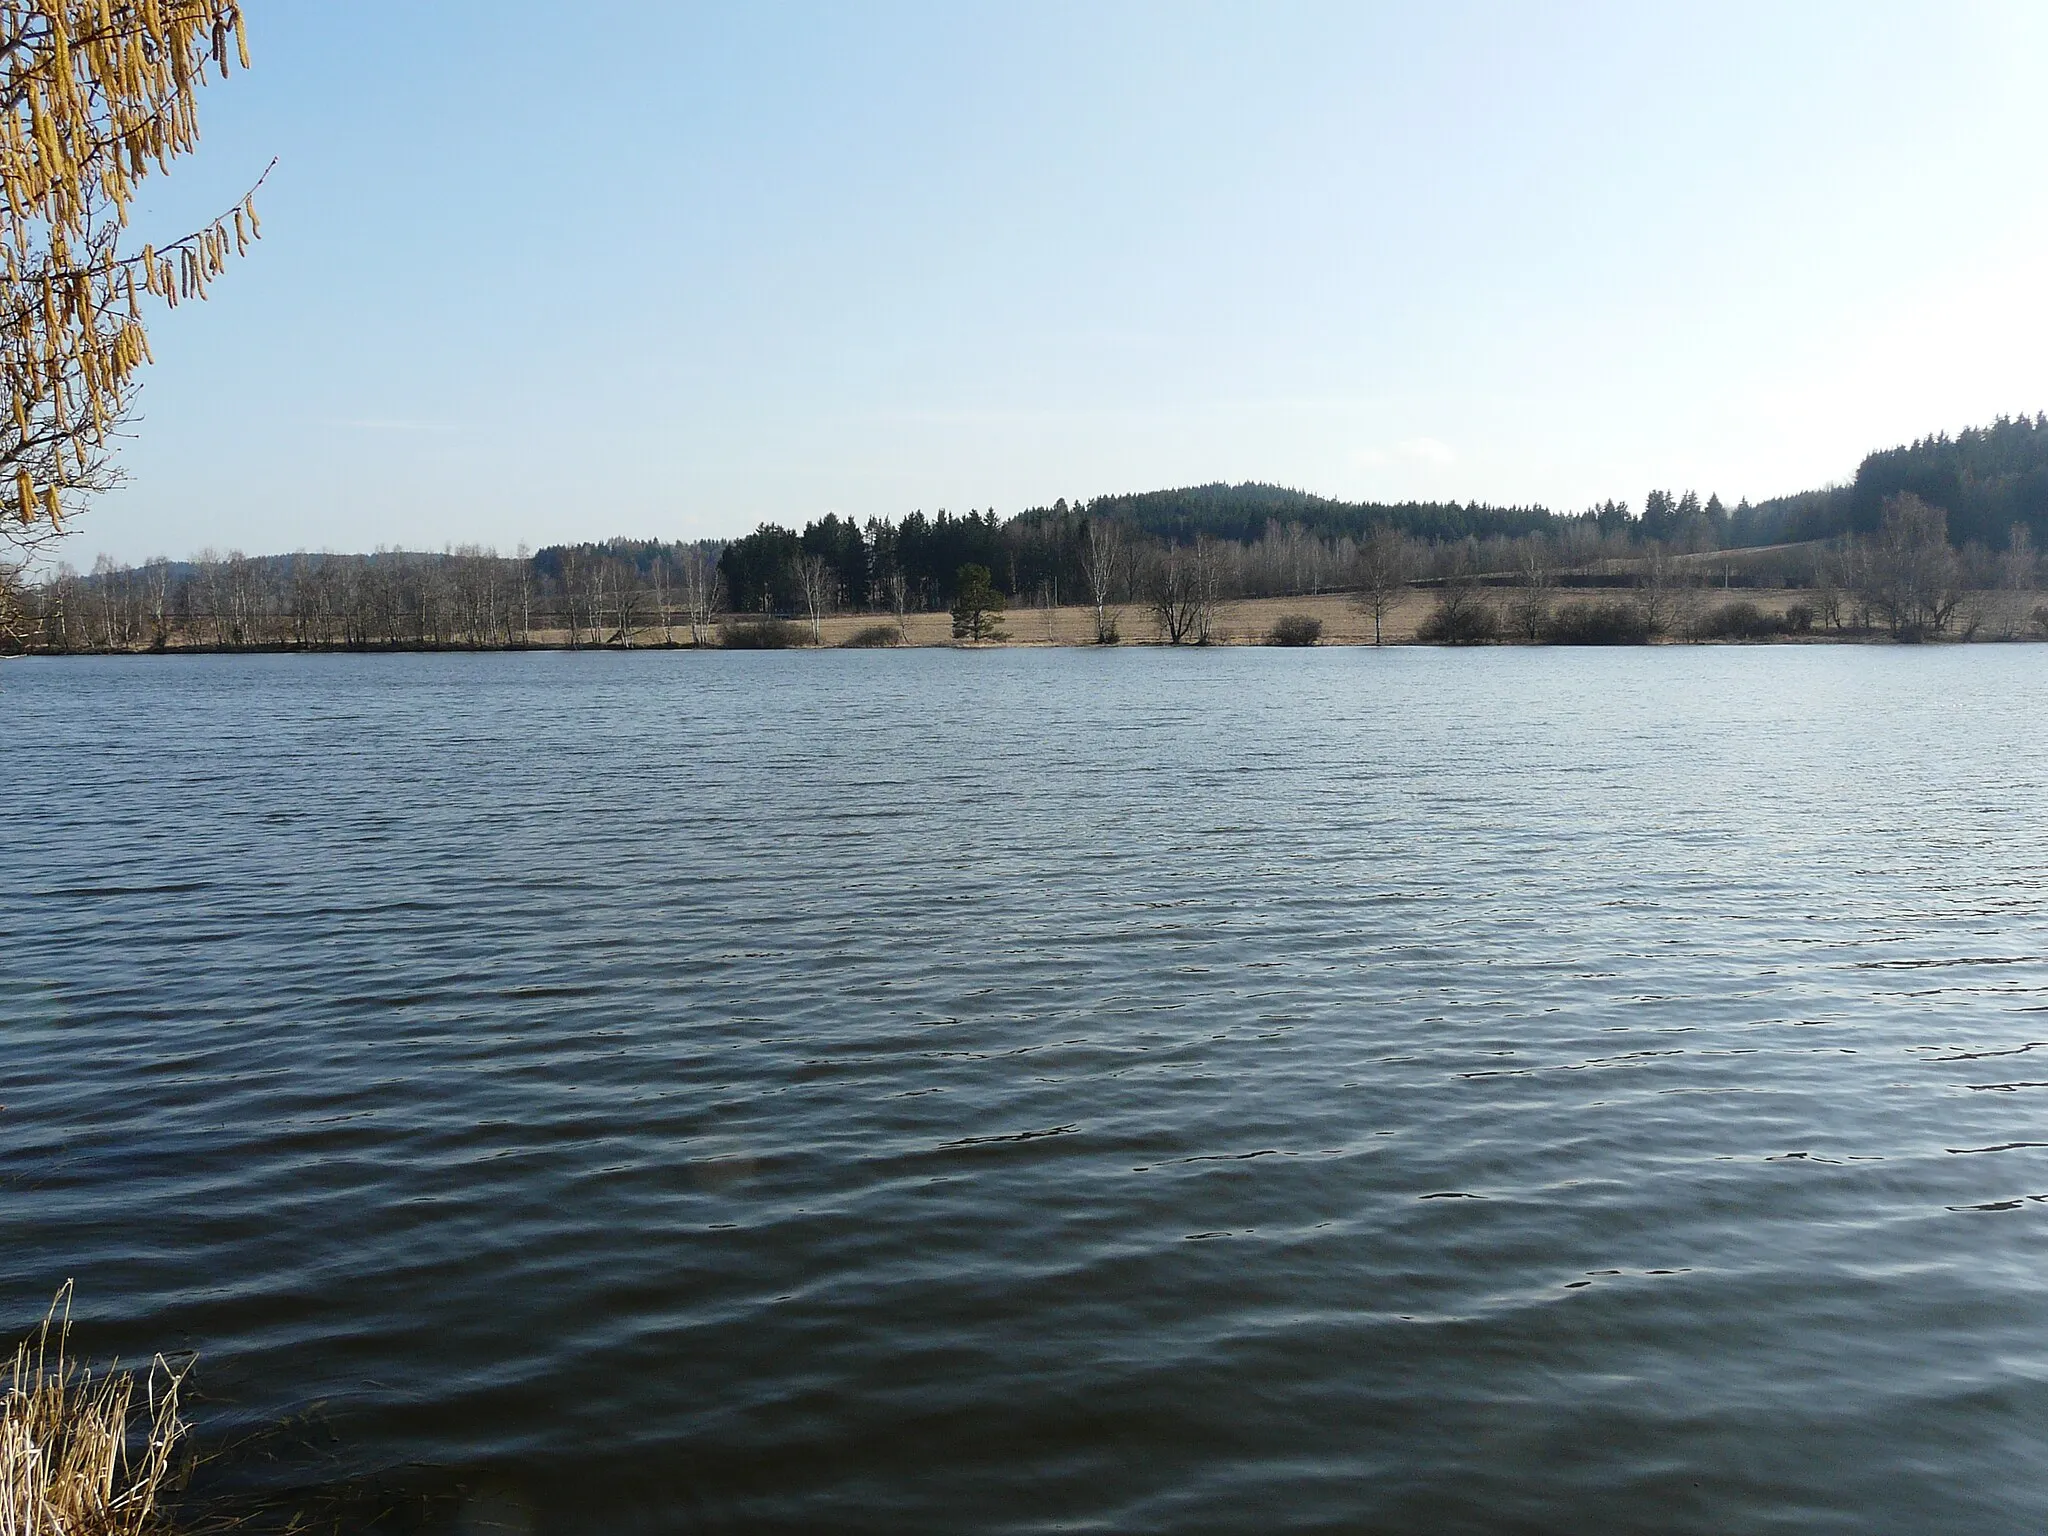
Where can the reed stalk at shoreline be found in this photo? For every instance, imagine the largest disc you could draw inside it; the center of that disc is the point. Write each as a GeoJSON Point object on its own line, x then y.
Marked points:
{"type": "Point", "coordinates": [84, 1454]}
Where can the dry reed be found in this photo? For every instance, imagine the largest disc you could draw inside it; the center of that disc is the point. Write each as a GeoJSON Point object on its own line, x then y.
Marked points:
{"type": "Point", "coordinates": [84, 1454]}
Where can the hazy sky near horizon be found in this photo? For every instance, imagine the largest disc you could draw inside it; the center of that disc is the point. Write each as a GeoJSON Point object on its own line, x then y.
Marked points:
{"type": "Point", "coordinates": [664, 270]}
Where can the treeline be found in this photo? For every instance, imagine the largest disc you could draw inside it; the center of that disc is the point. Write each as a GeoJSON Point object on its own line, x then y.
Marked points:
{"type": "Point", "coordinates": [626, 592]}
{"type": "Point", "coordinates": [1042, 556]}
{"type": "Point", "coordinates": [1985, 492]}
{"type": "Point", "coordinates": [1270, 541]}
{"type": "Point", "coordinates": [1274, 542]}
{"type": "Point", "coordinates": [586, 594]}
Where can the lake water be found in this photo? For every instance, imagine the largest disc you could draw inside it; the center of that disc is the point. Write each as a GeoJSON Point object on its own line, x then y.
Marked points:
{"type": "Point", "coordinates": [1521, 1090]}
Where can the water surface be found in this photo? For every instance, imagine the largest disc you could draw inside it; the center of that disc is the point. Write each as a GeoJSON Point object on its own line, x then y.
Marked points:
{"type": "Point", "coordinates": [1030, 1091]}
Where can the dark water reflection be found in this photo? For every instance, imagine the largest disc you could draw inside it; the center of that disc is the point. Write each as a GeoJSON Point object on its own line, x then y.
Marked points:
{"type": "Point", "coordinates": [1014, 1092]}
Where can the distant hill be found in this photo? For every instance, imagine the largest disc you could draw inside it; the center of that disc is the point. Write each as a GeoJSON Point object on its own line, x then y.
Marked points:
{"type": "Point", "coordinates": [1241, 513]}
{"type": "Point", "coordinates": [1986, 478]}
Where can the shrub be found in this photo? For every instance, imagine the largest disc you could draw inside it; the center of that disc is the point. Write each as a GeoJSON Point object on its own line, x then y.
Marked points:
{"type": "Point", "coordinates": [1591, 622]}
{"type": "Point", "coordinates": [1740, 621]}
{"type": "Point", "coordinates": [2040, 618]}
{"type": "Point", "coordinates": [1106, 632]}
{"type": "Point", "coordinates": [762, 635]}
{"type": "Point", "coordinates": [1295, 629]}
{"type": "Point", "coordinates": [1800, 618]}
{"type": "Point", "coordinates": [1461, 617]}
{"type": "Point", "coordinates": [1529, 614]}
{"type": "Point", "coordinates": [870, 635]}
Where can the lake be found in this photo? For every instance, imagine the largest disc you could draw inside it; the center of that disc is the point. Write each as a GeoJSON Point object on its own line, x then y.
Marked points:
{"type": "Point", "coordinates": [1016, 1091]}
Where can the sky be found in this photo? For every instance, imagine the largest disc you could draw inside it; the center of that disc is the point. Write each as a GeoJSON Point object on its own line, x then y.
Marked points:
{"type": "Point", "coordinates": [538, 273]}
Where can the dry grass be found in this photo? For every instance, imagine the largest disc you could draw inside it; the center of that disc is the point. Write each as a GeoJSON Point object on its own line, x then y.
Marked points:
{"type": "Point", "coordinates": [1240, 621]}
{"type": "Point", "coordinates": [84, 1454]}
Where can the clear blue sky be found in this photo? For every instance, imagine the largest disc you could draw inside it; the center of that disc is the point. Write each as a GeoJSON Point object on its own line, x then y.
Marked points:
{"type": "Point", "coordinates": [534, 273]}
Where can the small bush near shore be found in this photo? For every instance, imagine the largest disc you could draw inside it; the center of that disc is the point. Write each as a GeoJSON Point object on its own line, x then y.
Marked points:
{"type": "Point", "coordinates": [762, 635]}
{"type": "Point", "coordinates": [1591, 622]}
{"type": "Point", "coordinates": [2040, 618]}
{"type": "Point", "coordinates": [1799, 619]}
{"type": "Point", "coordinates": [870, 635]}
{"type": "Point", "coordinates": [1295, 629]}
{"type": "Point", "coordinates": [1740, 621]}
{"type": "Point", "coordinates": [82, 1455]}
{"type": "Point", "coordinates": [1461, 617]}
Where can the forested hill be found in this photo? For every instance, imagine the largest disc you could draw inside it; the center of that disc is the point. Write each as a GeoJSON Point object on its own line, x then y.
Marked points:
{"type": "Point", "coordinates": [1985, 478]}
{"type": "Point", "coordinates": [1241, 513]}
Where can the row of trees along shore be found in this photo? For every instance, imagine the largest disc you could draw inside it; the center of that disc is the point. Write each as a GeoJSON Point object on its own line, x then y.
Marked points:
{"type": "Point", "coordinates": [1935, 539]}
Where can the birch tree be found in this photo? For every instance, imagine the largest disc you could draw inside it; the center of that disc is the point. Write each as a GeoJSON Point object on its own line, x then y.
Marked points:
{"type": "Point", "coordinates": [815, 580]}
{"type": "Point", "coordinates": [703, 591]}
{"type": "Point", "coordinates": [1105, 558]}
{"type": "Point", "coordinates": [1385, 565]}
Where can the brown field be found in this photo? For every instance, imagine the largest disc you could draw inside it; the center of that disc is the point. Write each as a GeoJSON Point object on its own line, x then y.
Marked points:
{"type": "Point", "coordinates": [1243, 621]}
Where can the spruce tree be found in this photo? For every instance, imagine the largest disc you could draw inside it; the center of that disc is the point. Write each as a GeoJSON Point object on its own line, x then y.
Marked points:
{"type": "Point", "coordinates": [978, 606]}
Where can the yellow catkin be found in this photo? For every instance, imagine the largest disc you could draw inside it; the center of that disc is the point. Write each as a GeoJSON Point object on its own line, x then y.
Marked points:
{"type": "Point", "coordinates": [98, 93]}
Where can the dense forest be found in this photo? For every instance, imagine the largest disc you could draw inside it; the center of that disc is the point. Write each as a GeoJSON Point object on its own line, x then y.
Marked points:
{"type": "Point", "coordinates": [1982, 495]}
{"type": "Point", "coordinates": [1987, 479]}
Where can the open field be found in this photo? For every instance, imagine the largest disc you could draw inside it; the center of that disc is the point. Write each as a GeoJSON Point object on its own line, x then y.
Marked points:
{"type": "Point", "coordinates": [1244, 621]}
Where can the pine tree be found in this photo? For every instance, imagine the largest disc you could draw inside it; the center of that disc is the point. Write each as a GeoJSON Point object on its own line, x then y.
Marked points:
{"type": "Point", "coordinates": [978, 606]}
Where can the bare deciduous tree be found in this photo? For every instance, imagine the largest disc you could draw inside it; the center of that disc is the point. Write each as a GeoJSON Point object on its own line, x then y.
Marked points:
{"type": "Point", "coordinates": [2019, 569]}
{"type": "Point", "coordinates": [1536, 567]}
{"type": "Point", "coordinates": [1385, 564]}
{"type": "Point", "coordinates": [815, 580]}
{"type": "Point", "coordinates": [572, 572]}
{"type": "Point", "coordinates": [13, 607]}
{"type": "Point", "coordinates": [703, 591]}
{"type": "Point", "coordinates": [1208, 569]}
{"type": "Point", "coordinates": [156, 582]}
{"type": "Point", "coordinates": [1656, 578]}
{"type": "Point", "coordinates": [896, 589]}
{"type": "Point", "coordinates": [628, 598]}
{"type": "Point", "coordinates": [1907, 574]}
{"type": "Point", "coordinates": [1175, 599]}
{"type": "Point", "coordinates": [1104, 560]}
{"type": "Point", "coordinates": [658, 577]}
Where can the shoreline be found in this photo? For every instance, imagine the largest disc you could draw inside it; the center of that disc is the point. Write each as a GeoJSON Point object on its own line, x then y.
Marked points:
{"type": "Point", "coordinates": [1238, 622]}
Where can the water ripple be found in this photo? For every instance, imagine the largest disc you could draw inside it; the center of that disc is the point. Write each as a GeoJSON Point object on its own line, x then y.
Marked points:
{"type": "Point", "coordinates": [1012, 1092]}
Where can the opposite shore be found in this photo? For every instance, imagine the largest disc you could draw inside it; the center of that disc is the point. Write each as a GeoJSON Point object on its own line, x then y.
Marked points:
{"type": "Point", "coordinates": [1505, 616]}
